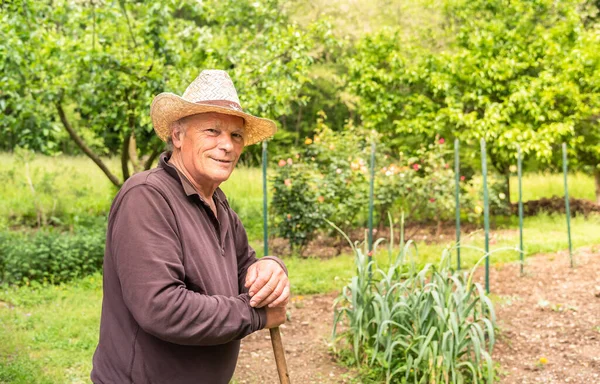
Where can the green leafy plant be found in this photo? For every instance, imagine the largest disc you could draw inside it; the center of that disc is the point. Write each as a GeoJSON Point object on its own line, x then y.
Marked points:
{"type": "Point", "coordinates": [295, 206]}
{"type": "Point", "coordinates": [50, 256]}
{"type": "Point", "coordinates": [416, 325]}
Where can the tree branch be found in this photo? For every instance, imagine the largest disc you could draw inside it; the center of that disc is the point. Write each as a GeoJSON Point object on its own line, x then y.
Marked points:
{"type": "Point", "coordinates": [148, 163]}
{"type": "Point", "coordinates": [95, 158]}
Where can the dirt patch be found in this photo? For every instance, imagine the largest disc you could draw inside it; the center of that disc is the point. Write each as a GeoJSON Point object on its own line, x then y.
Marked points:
{"type": "Point", "coordinates": [548, 320]}
{"type": "Point", "coordinates": [556, 204]}
{"type": "Point", "coordinates": [306, 337]}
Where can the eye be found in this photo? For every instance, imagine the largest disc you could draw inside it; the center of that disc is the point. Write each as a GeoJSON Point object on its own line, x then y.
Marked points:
{"type": "Point", "coordinates": [212, 131]}
{"type": "Point", "coordinates": [237, 136]}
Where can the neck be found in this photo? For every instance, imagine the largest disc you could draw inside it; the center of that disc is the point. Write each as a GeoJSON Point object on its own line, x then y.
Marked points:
{"type": "Point", "coordinates": [205, 190]}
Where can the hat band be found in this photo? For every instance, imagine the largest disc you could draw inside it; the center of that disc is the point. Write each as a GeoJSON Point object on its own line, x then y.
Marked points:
{"type": "Point", "coordinates": [222, 103]}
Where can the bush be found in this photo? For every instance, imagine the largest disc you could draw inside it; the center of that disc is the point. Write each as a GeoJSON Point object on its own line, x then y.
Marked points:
{"type": "Point", "coordinates": [295, 205]}
{"type": "Point", "coordinates": [50, 256]}
{"type": "Point", "coordinates": [416, 325]}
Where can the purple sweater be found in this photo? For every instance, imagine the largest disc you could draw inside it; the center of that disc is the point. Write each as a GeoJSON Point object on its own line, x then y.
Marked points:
{"type": "Point", "coordinates": [174, 305]}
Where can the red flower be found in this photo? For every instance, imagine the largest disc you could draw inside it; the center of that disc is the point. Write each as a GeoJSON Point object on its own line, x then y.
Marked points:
{"type": "Point", "coordinates": [462, 178]}
{"type": "Point", "coordinates": [416, 166]}
{"type": "Point", "coordinates": [447, 165]}
{"type": "Point", "coordinates": [442, 141]}
{"type": "Point", "coordinates": [432, 200]}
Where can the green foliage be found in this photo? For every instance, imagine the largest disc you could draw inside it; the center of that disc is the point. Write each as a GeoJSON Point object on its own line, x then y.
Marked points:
{"type": "Point", "coordinates": [421, 185]}
{"type": "Point", "coordinates": [95, 67]}
{"type": "Point", "coordinates": [516, 73]}
{"type": "Point", "coordinates": [340, 162]}
{"type": "Point", "coordinates": [411, 325]}
{"type": "Point", "coordinates": [50, 256]}
{"type": "Point", "coordinates": [294, 205]}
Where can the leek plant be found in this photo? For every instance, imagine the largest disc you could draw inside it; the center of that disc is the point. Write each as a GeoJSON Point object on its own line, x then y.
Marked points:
{"type": "Point", "coordinates": [415, 325]}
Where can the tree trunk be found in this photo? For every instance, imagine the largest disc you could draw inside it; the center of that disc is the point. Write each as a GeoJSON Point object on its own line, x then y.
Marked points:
{"type": "Point", "coordinates": [125, 157]}
{"type": "Point", "coordinates": [507, 176]}
{"type": "Point", "coordinates": [133, 157]}
{"type": "Point", "coordinates": [597, 178]}
{"type": "Point", "coordinates": [148, 163]}
{"type": "Point", "coordinates": [95, 158]}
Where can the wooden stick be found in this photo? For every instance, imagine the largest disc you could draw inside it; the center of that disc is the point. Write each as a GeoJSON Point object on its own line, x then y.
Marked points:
{"type": "Point", "coordinates": [282, 371]}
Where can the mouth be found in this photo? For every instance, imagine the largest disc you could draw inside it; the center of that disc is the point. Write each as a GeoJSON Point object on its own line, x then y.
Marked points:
{"type": "Point", "coordinates": [222, 161]}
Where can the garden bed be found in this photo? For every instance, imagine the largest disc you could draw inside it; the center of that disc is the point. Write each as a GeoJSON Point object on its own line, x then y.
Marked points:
{"type": "Point", "coordinates": [548, 328]}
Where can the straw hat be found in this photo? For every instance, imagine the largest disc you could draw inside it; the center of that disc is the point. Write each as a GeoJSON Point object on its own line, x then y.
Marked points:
{"type": "Point", "coordinates": [212, 91]}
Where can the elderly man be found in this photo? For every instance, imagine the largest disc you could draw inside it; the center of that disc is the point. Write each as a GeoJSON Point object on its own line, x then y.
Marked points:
{"type": "Point", "coordinates": [181, 284]}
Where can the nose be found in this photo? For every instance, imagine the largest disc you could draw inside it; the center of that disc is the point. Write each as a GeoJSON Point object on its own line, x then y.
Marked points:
{"type": "Point", "coordinates": [226, 143]}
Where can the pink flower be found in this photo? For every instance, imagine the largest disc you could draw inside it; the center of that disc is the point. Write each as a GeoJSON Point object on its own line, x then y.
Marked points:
{"type": "Point", "coordinates": [282, 163]}
{"type": "Point", "coordinates": [447, 165]}
{"type": "Point", "coordinates": [432, 200]}
{"type": "Point", "coordinates": [462, 178]}
{"type": "Point", "coordinates": [442, 141]}
{"type": "Point", "coordinates": [320, 199]}
{"type": "Point", "coordinates": [416, 166]}
{"type": "Point", "coordinates": [289, 161]}
{"type": "Point", "coordinates": [287, 182]}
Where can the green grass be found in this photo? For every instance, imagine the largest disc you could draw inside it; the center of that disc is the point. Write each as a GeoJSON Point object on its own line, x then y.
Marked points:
{"type": "Point", "coordinates": [244, 191]}
{"type": "Point", "coordinates": [538, 185]}
{"type": "Point", "coordinates": [51, 333]}
{"type": "Point", "coordinates": [64, 187]}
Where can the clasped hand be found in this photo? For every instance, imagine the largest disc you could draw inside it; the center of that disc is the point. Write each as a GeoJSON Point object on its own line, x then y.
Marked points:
{"type": "Point", "coordinates": [267, 284]}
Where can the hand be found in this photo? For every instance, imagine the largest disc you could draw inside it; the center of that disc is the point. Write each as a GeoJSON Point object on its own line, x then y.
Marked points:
{"type": "Point", "coordinates": [267, 284]}
{"type": "Point", "coordinates": [275, 316]}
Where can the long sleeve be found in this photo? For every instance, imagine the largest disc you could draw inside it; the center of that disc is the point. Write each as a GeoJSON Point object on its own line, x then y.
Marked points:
{"type": "Point", "coordinates": [246, 255]}
{"type": "Point", "coordinates": [147, 252]}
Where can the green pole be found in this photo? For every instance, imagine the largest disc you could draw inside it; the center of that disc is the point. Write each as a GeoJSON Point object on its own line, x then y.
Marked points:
{"type": "Point", "coordinates": [520, 175]}
{"type": "Point", "coordinates": [265, 223]}
{"type": "Point", "coordinates": [567, 207]}
{"type": "Point", "coordinates": [486, 216]}
{"type": "Point", "coordinates": [457, 205]}
{"type": "Point", "coordinates": [371, 200]}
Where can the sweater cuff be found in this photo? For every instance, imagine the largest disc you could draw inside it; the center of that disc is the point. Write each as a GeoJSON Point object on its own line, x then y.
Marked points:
{"type": "Point", "coordinates": [258, 316]}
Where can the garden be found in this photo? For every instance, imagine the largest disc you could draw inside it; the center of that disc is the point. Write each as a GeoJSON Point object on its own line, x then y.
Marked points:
{"type": "Point", "coordinates": [433, 188]}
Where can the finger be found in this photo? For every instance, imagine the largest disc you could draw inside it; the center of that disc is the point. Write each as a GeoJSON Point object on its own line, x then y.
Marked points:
{"type": "Point", "coordinates": [264, 292]}
{"type": "Point", "coordinates": [251, 275]}
{"type": "Point", "coordinates": [274, 295]}
{"type": "Point", "coordinates": [263, 277]}
{"type": "Point", "coordinates": [283, 299]}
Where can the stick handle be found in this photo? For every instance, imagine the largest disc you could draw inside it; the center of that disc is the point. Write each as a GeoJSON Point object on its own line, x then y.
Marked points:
{"type": "Point", "coordinates": [282, 371]}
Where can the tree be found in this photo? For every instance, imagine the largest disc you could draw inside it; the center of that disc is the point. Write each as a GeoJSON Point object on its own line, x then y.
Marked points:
{"type": "Point", "coordinates": [92, 68]}
{"type": "Point", "coordinates": [500, 79]}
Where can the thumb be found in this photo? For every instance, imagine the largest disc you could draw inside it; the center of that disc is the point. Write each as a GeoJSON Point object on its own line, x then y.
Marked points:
{"type": "Point", "coordinates": [251, 275]}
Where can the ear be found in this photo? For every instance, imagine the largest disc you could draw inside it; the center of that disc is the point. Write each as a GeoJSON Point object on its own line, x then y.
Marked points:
{"type": "Point", "coordinates": [177, 134]}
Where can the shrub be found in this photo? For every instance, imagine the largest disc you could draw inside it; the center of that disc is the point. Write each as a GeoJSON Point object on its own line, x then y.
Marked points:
{"type": "Point", "coordinates": [295, 205]}
{"type": "Point", "coordinates": [50, 256]}
{"type": "Point", "coordinates": [416, 325]}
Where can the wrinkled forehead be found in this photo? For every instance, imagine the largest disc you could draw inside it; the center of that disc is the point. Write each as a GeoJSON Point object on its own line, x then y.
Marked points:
{"type": "Point", "coordinates": [214, 119]}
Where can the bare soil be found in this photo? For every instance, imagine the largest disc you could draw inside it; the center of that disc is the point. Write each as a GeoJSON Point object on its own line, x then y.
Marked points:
{"type": "Point", "coordinates": [548, 328]}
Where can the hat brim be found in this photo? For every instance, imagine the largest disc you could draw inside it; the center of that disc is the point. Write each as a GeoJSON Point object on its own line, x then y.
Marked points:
{"type": "Point", "coordinates": [167, 108]}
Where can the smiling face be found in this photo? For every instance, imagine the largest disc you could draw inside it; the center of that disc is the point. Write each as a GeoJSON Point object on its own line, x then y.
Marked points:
{"type": "Point", "coordinates": [206, 148]}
